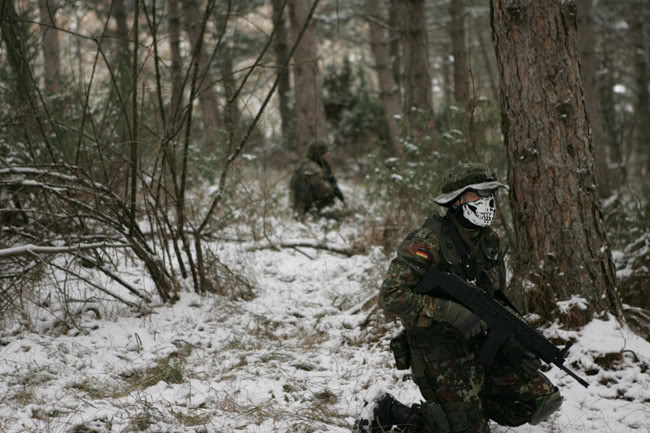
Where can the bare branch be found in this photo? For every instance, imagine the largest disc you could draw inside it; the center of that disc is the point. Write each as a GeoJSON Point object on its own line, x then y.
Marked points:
{"type": "Point", "coordinates": [31, 249]}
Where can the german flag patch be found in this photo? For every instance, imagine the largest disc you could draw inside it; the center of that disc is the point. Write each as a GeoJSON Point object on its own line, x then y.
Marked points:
{"type": "Point", "coordinates": [422, 254]}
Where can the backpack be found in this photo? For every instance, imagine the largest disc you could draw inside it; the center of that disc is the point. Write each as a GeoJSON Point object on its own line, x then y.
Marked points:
{"type": "Point", "coordinates": [302, 196]}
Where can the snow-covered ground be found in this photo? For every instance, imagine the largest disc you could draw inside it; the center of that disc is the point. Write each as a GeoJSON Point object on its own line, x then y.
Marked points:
{"type": "Point", "coordinates": [300, 356]}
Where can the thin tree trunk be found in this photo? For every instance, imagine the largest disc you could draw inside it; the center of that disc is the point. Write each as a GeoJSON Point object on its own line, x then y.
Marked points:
{"type": "Point", "coordinates": [589, 69]}
{"type": "Point", "coordinates": [281, 48]}
{"type": "Point", "coordinates": [50, 44]}
{"type": "Point", "coordinates": [176, 65]}
{"type": "Point", "coordinates": [123, 48]}
{"type": "Point", "coordinates": [15, 36]}
{"type": "Point", "coordinates": [610, 120]}
{"type": "Point", "coordinates": [487, 53]}
{"type": "Point", "coordinates": [418, 104]}
{"type": "Point", "coordinates": [459, 52]}
{"type": "Point", "coordinates": [394, 26]}
{"type": "Point", "coordinates": [231, 114]}
{"type": "Point", "coordinates": [310, 112]}
{"type": "Point", "coordinates": [562, 244]}
{"type": "Point", "coordinates": [447, 82]}
{"type": "Point", "coordinates": [641, 144]}
{"type": "Point", "coordinates": [388, 89]}
{"type": "Point", "coordinates": [207, 94]}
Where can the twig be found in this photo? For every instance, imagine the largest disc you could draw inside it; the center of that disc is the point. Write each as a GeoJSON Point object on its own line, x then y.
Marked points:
{"type": "Point", "coordinates": [96, 286]}
{"type": "Point", "coordinates": [303, 253]}
{"type": "Point", "coordinates": [116, 278]}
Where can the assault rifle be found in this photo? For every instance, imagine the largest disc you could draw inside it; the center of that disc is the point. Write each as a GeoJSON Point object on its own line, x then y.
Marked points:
{"type": "Point", "coordinates": [504, 322]}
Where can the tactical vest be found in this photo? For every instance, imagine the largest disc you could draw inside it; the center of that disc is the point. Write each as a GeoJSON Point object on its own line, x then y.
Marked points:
{"type": "Point", "coordinates": [472, 262]}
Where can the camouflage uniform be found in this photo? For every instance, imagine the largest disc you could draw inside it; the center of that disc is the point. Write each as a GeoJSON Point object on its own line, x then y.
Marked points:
{"type": "Point", "coordinates": [313, 184]}
{"type": "Point", "coordinates": [460, 393]}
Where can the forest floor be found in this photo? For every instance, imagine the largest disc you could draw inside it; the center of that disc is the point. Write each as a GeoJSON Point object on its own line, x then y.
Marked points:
{"type": "Point", "coordinates": [299, 353]}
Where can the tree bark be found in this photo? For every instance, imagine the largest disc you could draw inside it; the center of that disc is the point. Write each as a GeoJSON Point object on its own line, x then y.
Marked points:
{"type": "Point", "coordinates": [281, 48]}
{"type": "Point", "coordinates": [388, 89]}
{"type": "Point", "coordinates": [589, 68]}
{"type": "Point", "coordinates": [562, 244]}
{"type": "Point", "coordinates": [459, 52]}
{"type": "Point", "coordinates": [50, 45]}
{"type": "Point", "coordinates": [310, 112]}
{"type": "Point", "coordinates": [205, 86]}
{"type": "Point", "coordinates": [418, 104]}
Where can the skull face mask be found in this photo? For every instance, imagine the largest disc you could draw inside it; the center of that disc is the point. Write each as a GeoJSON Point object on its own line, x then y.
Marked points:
{"type": "Point", "coordinates": [480, 212]}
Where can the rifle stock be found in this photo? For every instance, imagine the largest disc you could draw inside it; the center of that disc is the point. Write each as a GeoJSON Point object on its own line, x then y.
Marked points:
{"type": "Point", "coordinates": [502, 321]}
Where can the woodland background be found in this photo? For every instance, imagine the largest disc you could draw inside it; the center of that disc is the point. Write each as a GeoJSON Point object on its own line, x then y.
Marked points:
{"type": "Point", "coordinates": [154, 127]}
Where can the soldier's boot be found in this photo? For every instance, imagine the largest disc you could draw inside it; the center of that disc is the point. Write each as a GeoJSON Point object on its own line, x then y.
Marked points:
{"type": "Point", "coordinates": [407, 419]}
{"type": "Point", "coordinates": [389, 412]}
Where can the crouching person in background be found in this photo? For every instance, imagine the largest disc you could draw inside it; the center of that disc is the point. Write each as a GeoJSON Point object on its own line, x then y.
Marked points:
{"type": "Point", "coordinates": [441, 339]}
{"type": "Point", "coordinates": [313, 185]}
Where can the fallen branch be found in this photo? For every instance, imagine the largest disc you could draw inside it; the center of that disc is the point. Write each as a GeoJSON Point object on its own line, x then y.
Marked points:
{"type": "Point", "coordinates": [31, 249]}
{"type": "Point", "coordinates": [334, 249]}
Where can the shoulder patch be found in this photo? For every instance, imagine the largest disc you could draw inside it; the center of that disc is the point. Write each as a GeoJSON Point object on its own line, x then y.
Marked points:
{"type": "Point", "coordinates": [422, 254]}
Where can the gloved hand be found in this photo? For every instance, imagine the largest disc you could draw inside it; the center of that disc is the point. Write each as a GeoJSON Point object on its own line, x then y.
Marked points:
{"type": "Point", "coordinates": [339, 194]}
{"type": "Point", "coordinates": [530, 363]}
{"type": "Point", "coordinates": [467, 323]}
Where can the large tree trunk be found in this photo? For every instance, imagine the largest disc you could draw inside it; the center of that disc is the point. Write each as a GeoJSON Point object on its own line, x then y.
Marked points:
{"type": "Point", "coordinates": [310, 112]}
{"type": "Point", "coordinates": [589, 69]}
{"type": "Point", "coordinates": [205, 85]}
{"type": "Point", "coordinates": [281, 48]}
{"type": "Point", "coordinates": [459, 52]}
{"type": "Point", "coordinates": [388, 89]}
{"type": "Point", "coordinates": [418, 104]}
{"type": "Point", "coordinates": [562, 245]}
{"type": "Point", "coordinates": [50, 44]}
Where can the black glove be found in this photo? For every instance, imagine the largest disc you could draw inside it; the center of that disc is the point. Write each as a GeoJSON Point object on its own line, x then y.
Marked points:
{"type": "Point", "coordinates": [530, 363]}
{"type": "Point", "coordinates": [338, 194]}
{"type": "Point", "coordinates": [466, 322]}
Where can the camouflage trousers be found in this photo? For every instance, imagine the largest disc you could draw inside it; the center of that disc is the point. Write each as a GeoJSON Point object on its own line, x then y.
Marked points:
{"type": "Point", "coordinates": [461, 394]}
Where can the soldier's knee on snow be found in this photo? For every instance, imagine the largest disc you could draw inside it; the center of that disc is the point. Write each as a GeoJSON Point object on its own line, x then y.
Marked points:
{"type": "Point", "coordinates": [545, 405]}
{"type": "Point", "coordinates": [451, 417]}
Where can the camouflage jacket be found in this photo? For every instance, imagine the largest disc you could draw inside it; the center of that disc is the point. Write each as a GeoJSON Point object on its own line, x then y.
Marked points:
{"type": "Point", "coordinates": [433, 245]}
{"type": "Point", "coordinates": [320, 179]}
{"type": "Point", "coordinates": [314, 184]}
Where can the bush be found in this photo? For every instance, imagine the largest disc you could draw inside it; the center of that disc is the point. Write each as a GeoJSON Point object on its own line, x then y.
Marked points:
{"type": "Point", "coordinates": [408, 185]}
{"type": "Point", "coordinates": [355, 113]}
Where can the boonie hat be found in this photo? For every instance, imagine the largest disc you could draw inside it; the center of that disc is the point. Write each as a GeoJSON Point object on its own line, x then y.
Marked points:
{"type": "Point", "coordinates": [465, 176]}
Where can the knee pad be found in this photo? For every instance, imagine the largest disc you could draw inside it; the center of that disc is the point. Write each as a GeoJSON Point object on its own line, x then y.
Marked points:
{"type": "Point", "coordinates": [451, 417]}
{"type": "Point", "coordinates": [544, 406]}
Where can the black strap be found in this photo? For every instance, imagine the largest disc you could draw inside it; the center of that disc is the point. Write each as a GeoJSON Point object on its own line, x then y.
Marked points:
{"type": "Point", "coordinates": [467, 256]}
